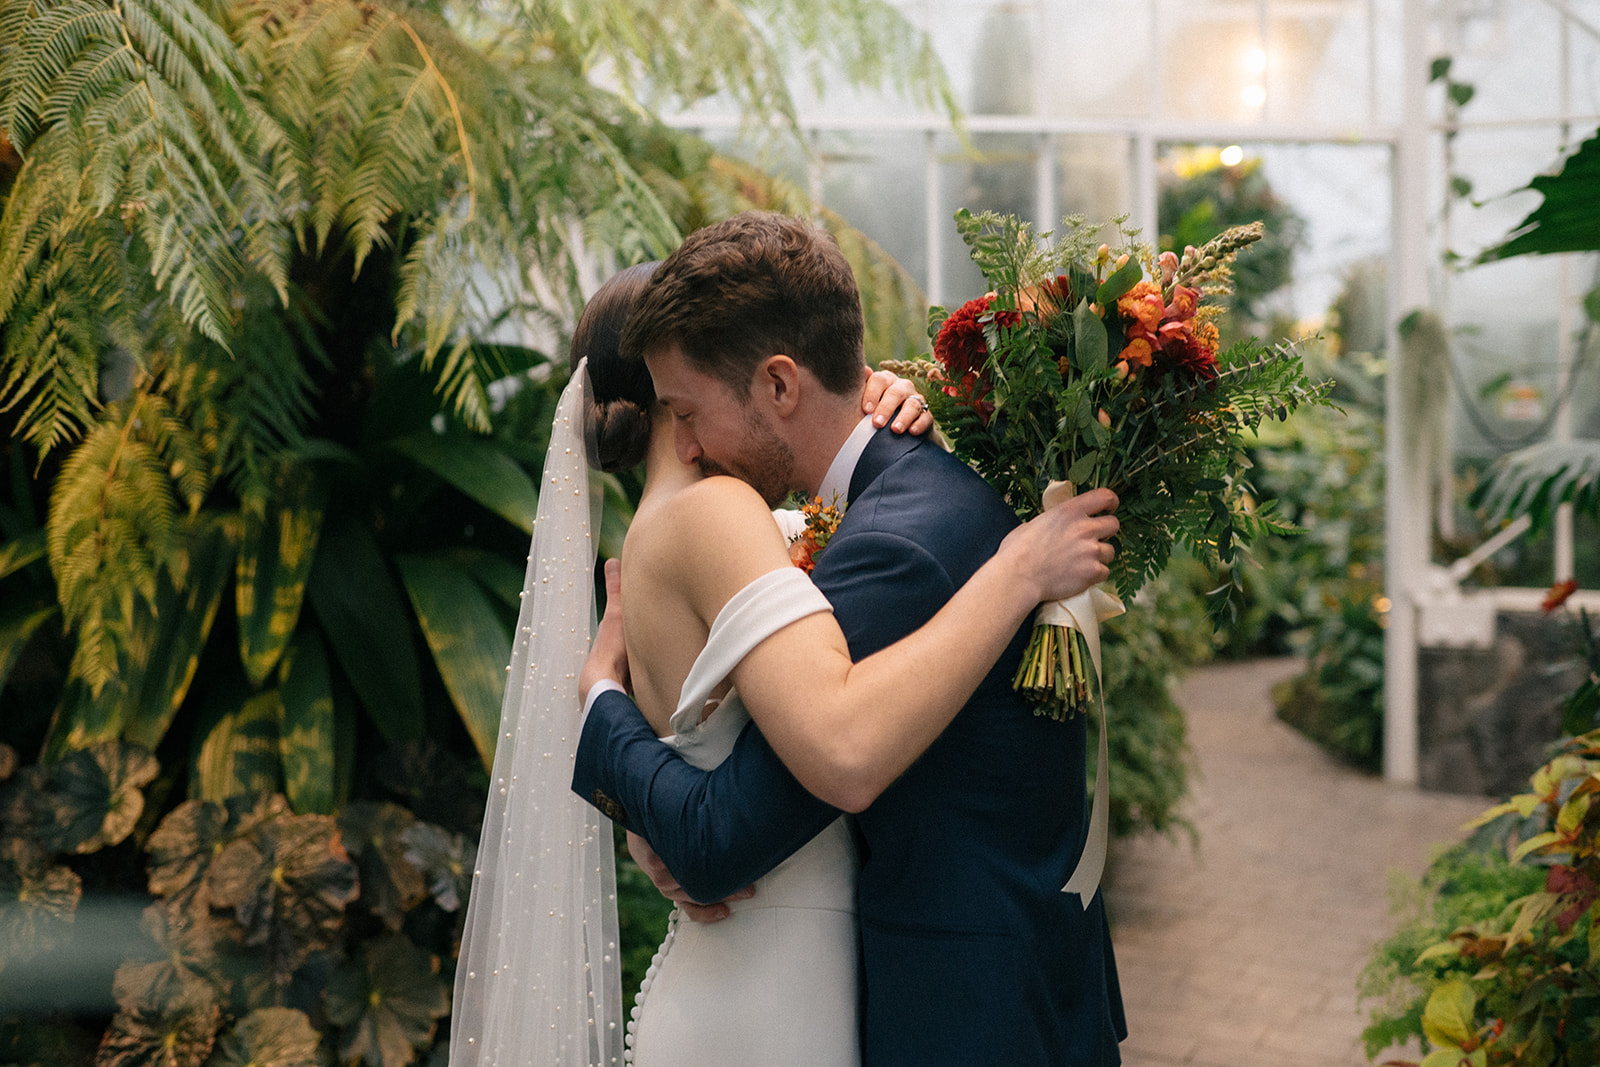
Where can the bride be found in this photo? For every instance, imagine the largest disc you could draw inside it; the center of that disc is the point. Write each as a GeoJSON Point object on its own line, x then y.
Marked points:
{"type": "Point", "coordinates": [776, 983]}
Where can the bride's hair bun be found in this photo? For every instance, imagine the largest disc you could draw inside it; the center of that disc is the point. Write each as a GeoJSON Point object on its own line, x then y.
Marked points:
{"type": "Point", "coordinates": [616, 430]}
{"type": "Point", "coordinates": [616, 434]}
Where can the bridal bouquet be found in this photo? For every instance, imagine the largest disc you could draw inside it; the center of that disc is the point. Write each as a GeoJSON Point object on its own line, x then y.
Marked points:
{"type": "Point", "coordinates": [1085, 366]}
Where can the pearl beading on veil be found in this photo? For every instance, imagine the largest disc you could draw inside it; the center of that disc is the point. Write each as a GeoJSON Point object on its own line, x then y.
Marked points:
{"type": "Point", "coordinates": [539, 975]}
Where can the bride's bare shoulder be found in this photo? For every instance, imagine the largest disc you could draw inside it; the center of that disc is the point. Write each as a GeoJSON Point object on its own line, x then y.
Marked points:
{"type": "Point", "coordinates": [719, 511]}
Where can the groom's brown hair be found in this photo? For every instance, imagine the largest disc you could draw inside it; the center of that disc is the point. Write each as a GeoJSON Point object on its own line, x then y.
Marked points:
{"type": "Point", "coordinates": [753, 286]}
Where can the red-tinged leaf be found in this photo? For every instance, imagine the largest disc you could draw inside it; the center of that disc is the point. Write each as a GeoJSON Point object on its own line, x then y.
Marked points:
{"type": "Point", "coordinates": [38, 901]}
{"type": "Point", "coordinates": [269, 1037]}
{"type": "Point", "coordinates": [148, 1039]}
{"type": "Point", "coordinates": [182, 847]}
{"type": "Point", "coordinates": [388, 1003]}
{"type": "Point", "coordinates": [391, 884]}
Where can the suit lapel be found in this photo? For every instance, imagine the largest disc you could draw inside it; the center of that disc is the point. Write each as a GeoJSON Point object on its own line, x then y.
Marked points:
{"type": "Point", "coordinates": [885, 447]}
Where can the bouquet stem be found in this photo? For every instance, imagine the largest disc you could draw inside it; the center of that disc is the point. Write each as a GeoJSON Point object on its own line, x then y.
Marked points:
{"type": "Point", "coordinates": [1054, 675]}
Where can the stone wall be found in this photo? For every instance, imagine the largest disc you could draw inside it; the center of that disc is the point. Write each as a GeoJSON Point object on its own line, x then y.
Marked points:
{"type": "Point", "coordinates": [1488, 717]}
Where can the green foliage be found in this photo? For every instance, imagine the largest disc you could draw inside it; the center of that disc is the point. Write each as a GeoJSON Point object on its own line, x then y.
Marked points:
{"type": "Point", "coordinates": [1205, 200]}
{"type": "Point", "coordinates": [1565, 220]}
{"type": "Point", "coordinates": [1501, 968]}
{"type": "Point", "coordinates": [272, 935]}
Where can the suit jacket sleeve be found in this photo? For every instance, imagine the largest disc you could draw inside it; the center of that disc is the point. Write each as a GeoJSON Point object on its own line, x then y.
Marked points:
{"type": "Point", "coordinates": [720, 830]}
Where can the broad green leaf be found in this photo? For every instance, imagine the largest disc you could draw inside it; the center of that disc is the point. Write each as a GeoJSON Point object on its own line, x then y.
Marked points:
{"type": "Point", "coordinates": [37, 901]}
{"type": "Point", "coordinates": [469, 641]}
{"type": "Point", "coordinates": [1591, 304]}
{"type": "Point", "coordinates": [479, 469]}
{"type": "Point", "coordinates": [368, 628]}
{"type": "Point", "coordinates": [1443, 948]}
{"type": "Point", "coordinates": [1090, 342]}
{"type": "Point", "coordinates": [1447, 1019]}
{"type": "Point", "coordinates": [183, 620]}
{"type": "Point", "coordinates": [94, 796]}
{"type": "Point", "coordinates": [182, 1038]}
{"type": "Point", "coordinates": [387, 1002]}
{"type": "Point", "coordinates": [1537, 841]}
{"type": "Point", "coordinates": [1566, 221]}
{"type": "Point", "coordinates": [374, 835]}
{"type": "Point", "coordinates": [269, 1037]}
{"type": "Point", "coordinates": [616, 514]}
{"type": "Point", "coordinates": [19, 620]}
{"type": "Point", "coordinates": [502, 580]}
{"type": "Point", "coordinates": [237, 750]}
{"type": "Point", "coordinates": [287, 883]}
{"type": "Point", "coordinates": [17, 554]}
{"type": "Point", "coordinates": [274, 565]}
{"type": "Point", "coordinates": [1454, 1057]}
{"type": "Point", "coordinates": [306, 743]}
{"type": "Point", "coordinates": [1573, 812]}
{"type": "Point", "coordinates": [1121, 280]}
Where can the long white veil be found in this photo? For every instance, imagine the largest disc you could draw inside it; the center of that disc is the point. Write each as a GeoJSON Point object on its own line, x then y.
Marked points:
{"type": "Point", "coordinates": [538, 982]}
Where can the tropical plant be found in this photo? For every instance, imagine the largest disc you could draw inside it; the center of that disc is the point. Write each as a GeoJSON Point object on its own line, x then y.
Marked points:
{"type": "Point", "coordinates": [269, 274]}
{"type": "Point", "coordinates": [1537, 479]}
{"type": "Point", "coordinates": [1498, 966]}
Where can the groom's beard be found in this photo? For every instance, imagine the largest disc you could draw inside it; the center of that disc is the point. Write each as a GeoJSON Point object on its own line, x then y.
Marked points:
{"type": "Point", "coordinates": [765, 463]}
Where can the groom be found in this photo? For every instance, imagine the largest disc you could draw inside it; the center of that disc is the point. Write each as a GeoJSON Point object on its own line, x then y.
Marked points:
{"type": "Point", "coordinates": [971, 954]}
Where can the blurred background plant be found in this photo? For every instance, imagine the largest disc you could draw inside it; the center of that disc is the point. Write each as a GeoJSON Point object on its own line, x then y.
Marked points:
{"type": "Point", "coordinates": [285, 293]}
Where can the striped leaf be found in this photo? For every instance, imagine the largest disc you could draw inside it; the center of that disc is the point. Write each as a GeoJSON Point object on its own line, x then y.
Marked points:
{"type": "Point", "coordinates": [305, 727]}
{"type": "Point", "coordinates": [237, 749]}
{"type": "Point", "coordinates": [470, 643]}
{"type": "Point", "coordinates": [183, 624]}
{"type": "Point", "coordinates": [274, 565]}
{"type": "Point", "coordinates": [368, 628]}
{"type": "Point", "coordinates": [479, 469]}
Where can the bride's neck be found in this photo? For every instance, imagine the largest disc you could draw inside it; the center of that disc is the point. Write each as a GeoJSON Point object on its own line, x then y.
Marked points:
{"type": "Point", "coordinates": [663, 473]}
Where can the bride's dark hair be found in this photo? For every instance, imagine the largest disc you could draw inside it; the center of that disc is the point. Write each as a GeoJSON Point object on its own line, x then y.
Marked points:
{"type": "Point", "coordinates": [616, 425]}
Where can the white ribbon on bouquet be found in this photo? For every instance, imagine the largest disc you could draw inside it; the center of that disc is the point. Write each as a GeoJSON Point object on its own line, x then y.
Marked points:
{"type": "Point", "coordinates": [1084, 613]}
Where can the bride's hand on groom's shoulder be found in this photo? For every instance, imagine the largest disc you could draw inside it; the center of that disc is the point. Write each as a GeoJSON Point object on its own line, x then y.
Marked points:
{"type": "Point", "coordinates": [888, 395]}
{"type": "Point", "coordinates": [1067, 549]}
{"type": "Point", "coordinates": [608, 655]}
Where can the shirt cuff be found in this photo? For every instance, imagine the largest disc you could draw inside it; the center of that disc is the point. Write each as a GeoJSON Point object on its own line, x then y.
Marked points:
{"type": "Point", "coordinates": [604, 685]}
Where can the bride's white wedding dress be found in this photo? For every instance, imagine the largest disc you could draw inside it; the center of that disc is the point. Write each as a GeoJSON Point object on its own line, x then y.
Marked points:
{"type": "Point", "coordinates": [775, 983]}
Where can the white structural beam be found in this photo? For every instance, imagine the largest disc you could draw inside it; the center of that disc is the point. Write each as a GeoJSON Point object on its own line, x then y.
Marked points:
{"type": "Point", "coordinates": [1405, 500]}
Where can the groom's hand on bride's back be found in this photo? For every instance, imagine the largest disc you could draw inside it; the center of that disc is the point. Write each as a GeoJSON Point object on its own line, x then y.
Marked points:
{"type": "Point", "coordinates": [608, 655]}
{"type": "Point", "coordinates": [668, 886]}
{"type": "Point", "coordinates": [1067, 550]}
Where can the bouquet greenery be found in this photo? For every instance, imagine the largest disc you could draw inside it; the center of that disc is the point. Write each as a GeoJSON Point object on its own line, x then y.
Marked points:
{"type": "Point", "coordinates": [1086, 366]}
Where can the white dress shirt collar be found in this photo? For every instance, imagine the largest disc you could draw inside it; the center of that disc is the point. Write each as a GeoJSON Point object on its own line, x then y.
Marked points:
{"type": "Point", "coordinates": [836, 483]}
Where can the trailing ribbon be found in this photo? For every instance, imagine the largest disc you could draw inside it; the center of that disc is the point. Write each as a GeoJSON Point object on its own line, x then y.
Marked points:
{"type": "Point", "coordinates": [1084, 613]}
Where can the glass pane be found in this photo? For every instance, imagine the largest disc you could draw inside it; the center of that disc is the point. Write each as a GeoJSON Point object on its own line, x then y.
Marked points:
{"type": "Point", "coordinates": [1211, 60]}
{"type": "Point", "coordinates": [878, 182]}
{"type": "Point", "coordinates": [1093, 177]}
{"type": "Point", "coordinates": [1317, 63]}
{"type": "Point", "coordinates": [1003, 179]}
{"type": "Point", "coordinates": [1510, 53]}
{"type": "Point", "coordinates": [1097, 59]}
{"type": "Point", "coordinates": [987, 47]}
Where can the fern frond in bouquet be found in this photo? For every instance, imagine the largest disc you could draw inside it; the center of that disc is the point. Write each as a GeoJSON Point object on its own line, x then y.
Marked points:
{"type": "Point", "coordinates": [1101, 368]}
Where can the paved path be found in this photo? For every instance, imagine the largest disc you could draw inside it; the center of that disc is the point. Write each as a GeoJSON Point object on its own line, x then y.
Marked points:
{"type": "Point", "coordinates": [1245, 953]}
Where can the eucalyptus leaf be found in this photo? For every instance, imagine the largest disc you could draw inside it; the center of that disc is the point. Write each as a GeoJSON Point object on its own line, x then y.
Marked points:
{"type": "Point", "coordinates": [1091, 342]}
{"type": "Point", "coordinates": [1121, 280]}
{"type": "Point", "coordinates": [386, 1003]}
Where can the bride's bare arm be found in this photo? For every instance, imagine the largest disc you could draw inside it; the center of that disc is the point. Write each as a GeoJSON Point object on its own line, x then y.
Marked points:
{"type": "Point", "coordinates": [847, 730]}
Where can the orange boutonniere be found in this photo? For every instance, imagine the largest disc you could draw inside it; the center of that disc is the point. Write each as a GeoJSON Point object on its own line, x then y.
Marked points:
{"type": "Point", "coordinates": [821, 520]}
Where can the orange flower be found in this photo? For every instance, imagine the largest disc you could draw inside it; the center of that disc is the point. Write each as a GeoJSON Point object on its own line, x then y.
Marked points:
{"type": "Point", "coordinates": [1142, 304]}
{"type": "Point", "coordinates": [1558, 595]}
{"type": "Point", "coordinates": [1137, 353]}
{"type": "Point", "coordinates": [1185, 302]}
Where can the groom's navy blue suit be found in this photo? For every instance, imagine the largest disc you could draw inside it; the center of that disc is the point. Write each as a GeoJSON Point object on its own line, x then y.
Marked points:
{"type": "Point", "coordinates": [971, 954]}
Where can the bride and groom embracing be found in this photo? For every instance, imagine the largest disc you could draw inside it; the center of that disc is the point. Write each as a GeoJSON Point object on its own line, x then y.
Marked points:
{"type": "Point", "coordinates": [929, 927]}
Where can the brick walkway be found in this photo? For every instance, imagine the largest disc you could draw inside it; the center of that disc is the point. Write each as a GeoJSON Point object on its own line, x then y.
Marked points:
{"type": "Point", "coordinates": [1245, 953]}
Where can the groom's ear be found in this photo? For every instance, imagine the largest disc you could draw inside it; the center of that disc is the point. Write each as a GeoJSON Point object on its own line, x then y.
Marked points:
{"type": "Point", "coordinates": [777, 384]}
